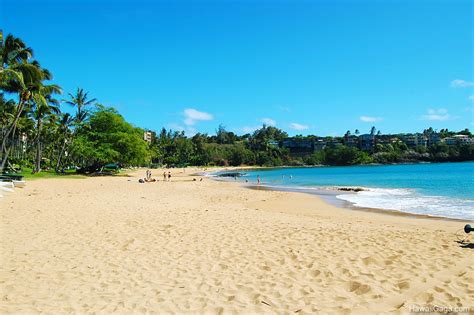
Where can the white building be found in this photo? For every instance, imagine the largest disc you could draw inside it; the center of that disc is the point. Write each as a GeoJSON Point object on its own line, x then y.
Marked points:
{"type": "Point", "coordinates": [458, 139]}
{"type": "Point", "coordinates": [147, 136]}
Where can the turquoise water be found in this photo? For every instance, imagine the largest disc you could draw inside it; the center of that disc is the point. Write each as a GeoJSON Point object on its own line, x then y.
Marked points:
{"type": "Point", "coordinates": [438, 189]}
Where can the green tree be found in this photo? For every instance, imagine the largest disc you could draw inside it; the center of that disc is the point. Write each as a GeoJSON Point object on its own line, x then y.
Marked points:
{"type": "Point", "coordinates": [107, 138]}
{"type": "Point", "coordinates": [80, 102]}
{"type": "Point", "coordinates": [65, 124]}
{"type": "Point", "coordinates": [44, 104]}
{"type": "Point", "coordinates": [20, 76]}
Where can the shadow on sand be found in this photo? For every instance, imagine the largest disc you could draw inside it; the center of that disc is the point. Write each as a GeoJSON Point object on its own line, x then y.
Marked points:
{"type": "Point", "coordinates": [465, 244]}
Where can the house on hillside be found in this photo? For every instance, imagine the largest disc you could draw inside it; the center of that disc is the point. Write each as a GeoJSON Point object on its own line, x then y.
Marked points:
{"type": "Point", "coordinates": [433, 138]}
{"type": "Point", "coordinates": [147, 136]}
{"type": "Point", "coordinates": [366, 142]}
{"type": "Point", "coordinates": [413, 140]}
{"type": "Point", "coordinates": [273, 144]}
{"type": "Point", "coordinates": [458, 139]}
{"type": "Point", "coordinates": [351, 141]}
{"type": "Point", "coordinates": [298, 145]}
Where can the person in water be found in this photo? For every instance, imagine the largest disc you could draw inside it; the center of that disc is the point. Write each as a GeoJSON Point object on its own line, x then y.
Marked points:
{"type": "Point", "coordinates": [258, 179]}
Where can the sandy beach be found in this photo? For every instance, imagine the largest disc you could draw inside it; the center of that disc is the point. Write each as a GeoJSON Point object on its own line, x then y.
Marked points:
{"type": "Point", "coordinates": [111, 245]}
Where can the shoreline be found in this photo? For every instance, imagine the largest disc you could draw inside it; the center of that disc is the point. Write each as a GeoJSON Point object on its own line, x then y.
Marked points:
{"type": "Point", "coordinates": [332, 200]}
{"type": "Point", "coordinates": [329, 194]}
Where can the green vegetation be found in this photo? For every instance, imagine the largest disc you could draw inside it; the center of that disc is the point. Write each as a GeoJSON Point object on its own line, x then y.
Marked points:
{"type": "Point", "coordinates": [38, 137]}
{"type": "Point", "coordinates": [29, 175]}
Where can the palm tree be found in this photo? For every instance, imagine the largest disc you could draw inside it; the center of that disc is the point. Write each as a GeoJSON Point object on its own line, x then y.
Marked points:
{"type": "Point", "coordinates": [43, 105]}
{"type": "Point", "coordinates": [357, 132]}
{"type": "Point", "coordinates": [6, 114]}
{"type": "Point", "coordinates": [13, 51]}
{"type": "Point", "coordinates": [64, 127]}
{"type": "Point", "coordinates": [19, 76]}
{"type": "Point", "coordinates": [346, 136]}
{"type": "Point", "coordinates": [24, 84]}
{"type": "Point", "coordinates": [372, 131]}
{"type": "Point", "coordinates": [80, 102]}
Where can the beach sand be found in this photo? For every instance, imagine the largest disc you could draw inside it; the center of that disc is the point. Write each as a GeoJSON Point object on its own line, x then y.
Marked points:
{"type": "Point", "coordinates": [111, 245]}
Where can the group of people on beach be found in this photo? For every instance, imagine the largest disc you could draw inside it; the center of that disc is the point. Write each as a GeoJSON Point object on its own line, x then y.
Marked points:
{"type": "Point", "coordinates": [149, 179]}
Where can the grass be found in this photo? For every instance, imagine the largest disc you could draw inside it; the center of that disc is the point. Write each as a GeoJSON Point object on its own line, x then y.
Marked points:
{"type": "Point", "coordinates": [26, 172]}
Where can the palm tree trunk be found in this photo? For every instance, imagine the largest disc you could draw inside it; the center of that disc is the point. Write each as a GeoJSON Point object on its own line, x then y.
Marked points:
{"type": "Point", "coordinates": [3, 150]}
{"type": "Point", "coordinates": [61, 152]}
{"type": "Point", "coordinates": [37, 168]}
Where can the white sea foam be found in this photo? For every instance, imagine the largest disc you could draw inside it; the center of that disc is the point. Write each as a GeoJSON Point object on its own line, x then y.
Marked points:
{"type": "Point", "coordinates": [406, 200]}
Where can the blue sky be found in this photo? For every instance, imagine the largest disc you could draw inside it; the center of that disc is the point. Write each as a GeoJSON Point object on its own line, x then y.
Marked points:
{"type": "Point", "coordinates": [308, 67]}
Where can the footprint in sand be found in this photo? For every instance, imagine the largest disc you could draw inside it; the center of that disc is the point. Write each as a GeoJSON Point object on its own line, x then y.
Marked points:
{"type": "Point", "coordinates": [127, 244]}
{"type": "Point", "coordinates": [357, 287]}
{"type": "Point", "coordinates": [315, 273]}
{"type": "Point", "coordinates": [403, 285]}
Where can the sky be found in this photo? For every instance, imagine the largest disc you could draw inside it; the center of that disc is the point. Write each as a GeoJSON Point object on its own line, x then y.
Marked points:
{"type": "Point", "coordinates": [308, 67]}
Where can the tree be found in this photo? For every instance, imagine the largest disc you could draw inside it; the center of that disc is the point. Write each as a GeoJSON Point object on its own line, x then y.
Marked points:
{"type": "Point", "coordinates": [19, 76]}
{"type": "Point", "coordinates": [261, 138]}
{"type": "Point", "coordinates": [44, 104]}
{"type": "Point", "coordinates": [64, 128]}
{"type": "Point", "coordinates": [372, 131]}
{"type": "Point", "coordinates": [80, 102]}
{"type": "Point", "coordinates": [222, 136]}
{"type": "Point", "coordinates": [7, 108]}
{"type": "Point", "coordinates": [108, 138]}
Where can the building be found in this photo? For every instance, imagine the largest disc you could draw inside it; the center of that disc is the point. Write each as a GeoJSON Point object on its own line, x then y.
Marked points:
{"type": "Point", "coordinates": [351, 141]}
{"type": "Point", "coordinates": [334, 143]}
{"type": "Point", "coordinates": [147, 136]}
{"type": "Point", "coordinates": [273, 144]}
{"type": "Point", "coordinates": [319, 145]}
{"type": "Point", "coordinates": [433, 138]}
{"type": "Point", "coordinates": [366, 142]}
{"type": "Point", "coordinates": [458, 139]}
{"type": "Point", "coordinates": [415, 140]}
{"type": "Point", "coordinates": [298, 145]}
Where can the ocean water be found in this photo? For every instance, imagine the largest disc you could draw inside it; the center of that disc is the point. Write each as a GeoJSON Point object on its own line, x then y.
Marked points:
{"type": "Point", "coordinates": [437, 189]}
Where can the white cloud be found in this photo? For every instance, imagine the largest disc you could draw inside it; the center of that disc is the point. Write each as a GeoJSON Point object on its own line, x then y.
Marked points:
{"type": "Point", "coordinates": [297, 126]}
{"type": "Point", "coordinates": [370, 119]}
{"type": "Point", "coordinates": [440, 114]}
{"type": "Point", "coordinates": [268, 121]}
{"type": "Point", "coordinates": [191, 116]}
{"type": "Point", "coordinates": [471, 97]}
{"type": "Point", "coordinates": [461, 83]}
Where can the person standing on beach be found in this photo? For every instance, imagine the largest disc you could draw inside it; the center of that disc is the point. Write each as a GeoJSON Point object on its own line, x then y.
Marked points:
{"type": "Point", "coordinates": [258, 179]}
{"type": "Point", "coordinates": [169, 176]}
{"type": "Point", "coordinates": [164, 176]}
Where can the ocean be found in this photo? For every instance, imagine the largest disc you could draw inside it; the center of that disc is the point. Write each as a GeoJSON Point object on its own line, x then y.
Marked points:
{"type": "Point", "coordinates": [434, 189]}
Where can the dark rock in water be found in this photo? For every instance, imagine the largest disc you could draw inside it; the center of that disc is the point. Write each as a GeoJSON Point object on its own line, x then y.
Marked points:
{"type": "Point", "coordinates": [231, 174]}
{"type": "Point", "coordinates": [354, 189]}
